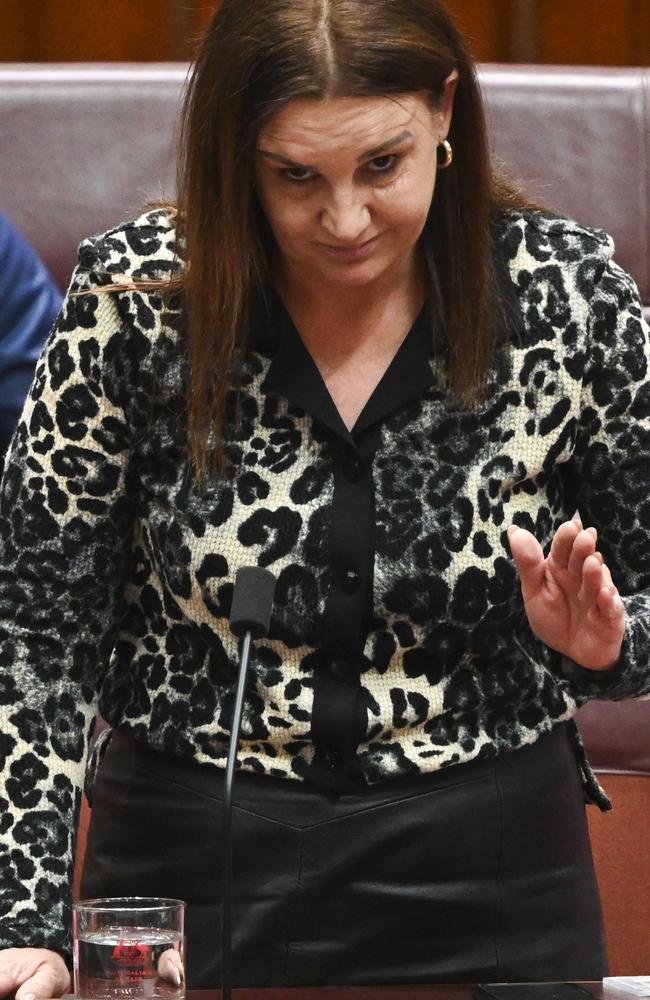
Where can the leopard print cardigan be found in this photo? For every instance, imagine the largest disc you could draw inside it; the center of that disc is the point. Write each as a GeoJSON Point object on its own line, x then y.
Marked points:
{"type": "Point", "coordinates": [117, 570]}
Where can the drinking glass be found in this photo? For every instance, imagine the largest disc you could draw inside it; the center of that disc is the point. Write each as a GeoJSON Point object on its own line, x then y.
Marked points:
{"type": "Point", "coordinates": [129, 946]}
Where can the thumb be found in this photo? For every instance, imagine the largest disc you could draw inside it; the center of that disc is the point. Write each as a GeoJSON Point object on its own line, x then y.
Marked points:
{"type": "Point", "coordinates": [48, 978]}
{"type": "Point", "coordinates": [528, 557]}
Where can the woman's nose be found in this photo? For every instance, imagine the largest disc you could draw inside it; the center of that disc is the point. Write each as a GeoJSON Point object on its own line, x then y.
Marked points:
{"type": "Point", "coordinates": [346, 217]}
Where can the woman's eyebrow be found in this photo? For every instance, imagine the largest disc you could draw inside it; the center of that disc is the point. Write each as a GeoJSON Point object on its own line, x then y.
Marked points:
{"type": "Point", "coordinates": [369, 154]}
{"type": "Point", "coordinates": [385, 146]}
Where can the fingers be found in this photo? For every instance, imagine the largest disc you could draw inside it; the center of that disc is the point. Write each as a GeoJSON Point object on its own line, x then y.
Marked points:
{"type": "Point", "coordinates": [526, 550]}
{"type": "Point", "coordinates": [170, 967]}
{"type": "Point", "coordinates": [47, 982]}
{"type": "Point", "coordinates": [573, 563]}
{"type": "Point", "coordinates": [587, 567]}
{"type": "Point", "coordinates": [610, 605]}
{"type": "Point", "coordinates": [562, 544]}
{"type": "Point", "coordinates": [16, 965]}
{"type": "Point", "coordinates": [34, 971]}
{"type": "Point", "coordinates": [571, 545]}
{"type": "Point", "coordinates": [529, 560]}
{"type": "Point", "coordinates": [583, 547]}
{"type": "Point", "coordinates": [593, 579]}
{"type": "Point", "coordinates": [599, 593]}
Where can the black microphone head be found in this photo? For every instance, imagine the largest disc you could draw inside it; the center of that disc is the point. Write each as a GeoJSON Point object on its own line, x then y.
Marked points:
{"type": "Point", "coordinates": [252, 601]}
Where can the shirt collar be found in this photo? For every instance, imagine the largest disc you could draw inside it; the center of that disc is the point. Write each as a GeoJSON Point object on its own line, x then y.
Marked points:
{"type": "Point", "coordinates": [294, 374]}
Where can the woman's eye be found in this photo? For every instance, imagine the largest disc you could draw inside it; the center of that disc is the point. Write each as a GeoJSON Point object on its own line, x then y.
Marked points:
{"type": "Point", "coordinates": [379, 165]}
{"type": "Point", "coordinates": [383, 164]}
{"type": "Point", "coordinates": [297, 174]}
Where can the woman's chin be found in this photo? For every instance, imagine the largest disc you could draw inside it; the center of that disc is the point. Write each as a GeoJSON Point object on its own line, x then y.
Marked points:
{"type": "Point", "coordinates": [352, 274]}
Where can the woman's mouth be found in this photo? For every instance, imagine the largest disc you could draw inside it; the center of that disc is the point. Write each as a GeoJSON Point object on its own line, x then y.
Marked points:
{"type": "Point", "coordinates": [358, 251]}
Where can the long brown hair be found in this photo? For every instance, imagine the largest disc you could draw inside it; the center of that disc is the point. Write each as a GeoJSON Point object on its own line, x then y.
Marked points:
{"type": "Point", "coordinates": [256, 56]}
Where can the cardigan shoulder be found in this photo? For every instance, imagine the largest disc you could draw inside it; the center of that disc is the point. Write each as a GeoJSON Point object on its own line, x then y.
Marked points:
{"type": "Point", "coordinates": [545, 235]}
{"type": "Point", "coordinates": [141, 249]}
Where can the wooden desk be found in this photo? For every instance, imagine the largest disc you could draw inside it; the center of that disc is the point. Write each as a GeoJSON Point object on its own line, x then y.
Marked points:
{"type": "Point", "coordinates": [440, 992]}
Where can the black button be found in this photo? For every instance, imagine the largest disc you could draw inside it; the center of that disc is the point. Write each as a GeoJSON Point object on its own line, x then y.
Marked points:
{"type": "Point", "coordinates": [350, 581]}
{"type": "Point", "coordinates": [340, 670]}
{"type": "Point", "coordinates": [332, 759]}
{"type": "Point", "coordinates": [352, 468]}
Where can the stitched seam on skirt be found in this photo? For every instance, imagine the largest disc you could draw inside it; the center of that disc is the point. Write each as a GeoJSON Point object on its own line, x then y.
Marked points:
{"type": "Point", "coordinates": [393, 802]}
{"type": "Point", "coordinates": [218, 801]}
{"type": "Point", "coordinates": [291, 923]}
{"type": "Point", "coordinates": [144, 770]}
{"type": "Point", "coordinates": [498, 930]}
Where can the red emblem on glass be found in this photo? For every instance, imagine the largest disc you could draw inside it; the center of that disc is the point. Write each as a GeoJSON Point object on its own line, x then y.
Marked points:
{"type": "Point", "coordinates": [132, 955]}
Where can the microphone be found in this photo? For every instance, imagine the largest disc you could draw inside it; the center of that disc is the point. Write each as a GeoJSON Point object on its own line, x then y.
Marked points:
{"type": "Point", "coordinates": [250, 617]}
{"type": "Point", "coordinates": [252, 602]}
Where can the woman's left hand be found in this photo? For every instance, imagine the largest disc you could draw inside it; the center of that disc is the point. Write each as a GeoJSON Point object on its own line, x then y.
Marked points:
{"type": "Point", "coordinates": [571, 602]}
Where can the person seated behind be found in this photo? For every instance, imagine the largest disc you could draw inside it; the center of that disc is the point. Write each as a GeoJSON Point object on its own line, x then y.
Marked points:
{"type": "Point", "coordinates": [29, 303]}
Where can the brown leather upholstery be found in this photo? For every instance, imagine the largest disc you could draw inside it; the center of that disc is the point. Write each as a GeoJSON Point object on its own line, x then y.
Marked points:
{"type": "Point", "coordinates": [85, 146]}
{"type": "Point", "coordinates": [617, 734]}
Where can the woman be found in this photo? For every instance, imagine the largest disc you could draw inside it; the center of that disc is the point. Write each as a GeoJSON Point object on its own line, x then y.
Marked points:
{"type": "Point", "coordinates": [356, 358]}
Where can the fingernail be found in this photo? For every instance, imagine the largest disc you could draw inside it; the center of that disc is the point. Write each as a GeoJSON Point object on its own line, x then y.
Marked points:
{"type": "Point", "coordinates": [29, 996]}
{"type": "Point", "coordinates": [513, 527]}
{"type": "Point", "coordinates": [177, 977]}
{"type": "Point", "coordinates": [576, 517]}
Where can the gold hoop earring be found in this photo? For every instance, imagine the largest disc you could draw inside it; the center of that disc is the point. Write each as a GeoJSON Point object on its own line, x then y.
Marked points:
{"type": "Point", "coordinates": [449, 155]}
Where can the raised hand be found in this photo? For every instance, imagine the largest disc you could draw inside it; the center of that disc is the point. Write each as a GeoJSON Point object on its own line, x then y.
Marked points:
{"type": "Point", "coordinates": [570, 600]}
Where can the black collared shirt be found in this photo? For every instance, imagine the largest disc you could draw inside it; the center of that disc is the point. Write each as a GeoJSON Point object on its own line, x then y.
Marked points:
{"type": "Point", "coordinates": [339, 714]}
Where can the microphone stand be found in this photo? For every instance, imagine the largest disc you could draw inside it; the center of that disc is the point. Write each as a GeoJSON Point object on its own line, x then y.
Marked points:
{"type": "Point", "coordinates": [226, 889]}
{"type": "Point", "coordinates": [250, 618]}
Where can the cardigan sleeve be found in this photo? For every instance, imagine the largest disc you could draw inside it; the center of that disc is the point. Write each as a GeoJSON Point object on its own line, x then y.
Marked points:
{"type": "Point", "coordinates": [610, 473]}
{"type": "Point", "coordinates": [65, 526]}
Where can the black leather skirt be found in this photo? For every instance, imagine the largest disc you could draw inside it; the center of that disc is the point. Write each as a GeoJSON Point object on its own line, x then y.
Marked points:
{"type": "Point", "coordinates": [482, 871]}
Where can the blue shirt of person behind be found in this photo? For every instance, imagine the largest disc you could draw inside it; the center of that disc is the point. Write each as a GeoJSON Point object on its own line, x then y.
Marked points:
{"type": "Point", "coordinates": [29, 303]}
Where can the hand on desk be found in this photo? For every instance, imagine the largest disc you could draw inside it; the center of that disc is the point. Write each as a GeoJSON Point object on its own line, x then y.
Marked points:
{"type": "Point", "coordinates": [34, 971]}
{"type": "Point", "coordinates": [571, 602]}
{"type": "Point", "coordinates": [170, 967]}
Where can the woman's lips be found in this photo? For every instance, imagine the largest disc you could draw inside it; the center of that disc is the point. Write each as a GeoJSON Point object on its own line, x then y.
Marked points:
{"type": "Point", "coordinates": [357, 252]}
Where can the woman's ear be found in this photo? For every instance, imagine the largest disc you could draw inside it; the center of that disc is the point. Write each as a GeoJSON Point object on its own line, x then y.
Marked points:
{"type": "Point", "coordinates": [447, 107]}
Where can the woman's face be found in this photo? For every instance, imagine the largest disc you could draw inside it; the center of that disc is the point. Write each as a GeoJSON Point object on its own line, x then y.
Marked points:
{"type": "Point", "coordinates": [346, 183]}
